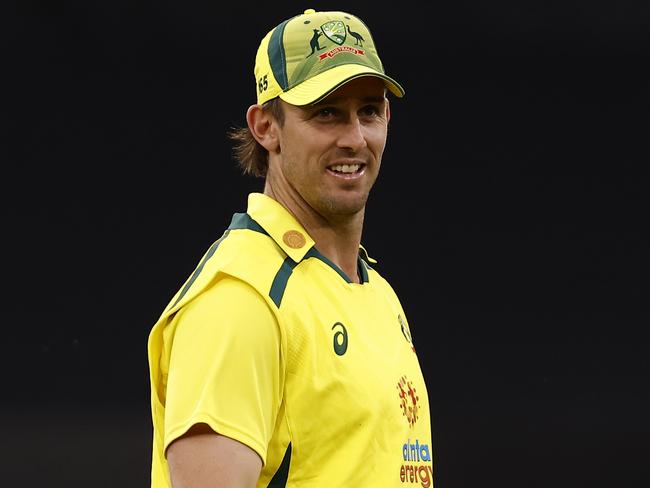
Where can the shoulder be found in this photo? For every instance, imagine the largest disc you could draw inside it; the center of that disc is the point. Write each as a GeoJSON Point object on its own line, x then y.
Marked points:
{"type": "Point", "coordinates": [228, 308]}
{"type": "Point", "coordinates": [227, 296]}
{"type": "Point", "coordinates": [249, 256]}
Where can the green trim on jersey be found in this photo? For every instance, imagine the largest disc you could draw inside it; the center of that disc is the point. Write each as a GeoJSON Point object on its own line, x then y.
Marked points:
{"type": "Point", "coordinates": [245, 221]}
{"type": "Point", "coordinates": [282, 474]}
{"type": "Point", "coordinates": [280, 281]}
{"type": "Point", "coordinates": [199, 268]}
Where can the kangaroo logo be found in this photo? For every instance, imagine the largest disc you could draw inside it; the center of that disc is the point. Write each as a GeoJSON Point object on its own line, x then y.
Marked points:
{"type": "Point", "coordinates": [315, 46]}
{"type": "Point", "coordinates": [335, 31]}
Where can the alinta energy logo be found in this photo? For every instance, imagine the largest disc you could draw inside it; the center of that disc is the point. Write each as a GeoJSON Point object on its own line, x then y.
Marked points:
{"type": "Point", "coordinates": [417, 467]}
{"type": "Point", "coordinates": [408, 400]}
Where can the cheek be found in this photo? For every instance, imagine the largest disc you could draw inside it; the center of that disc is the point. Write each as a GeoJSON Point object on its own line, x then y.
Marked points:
{"type": "Point", "coordinates": [294, 144]}
{"type": "Point", "coordinates": [377, 146]}
{"type": "Point", "coordinates": [303, 152]}
{"type": "Point", "coordinates": [295, 165]}
{"type": "Point", "coordinates": [376, 137]}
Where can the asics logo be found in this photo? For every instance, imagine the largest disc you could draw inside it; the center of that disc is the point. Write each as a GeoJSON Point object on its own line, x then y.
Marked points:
{"type": "Point", "coordinates": [340, 338]}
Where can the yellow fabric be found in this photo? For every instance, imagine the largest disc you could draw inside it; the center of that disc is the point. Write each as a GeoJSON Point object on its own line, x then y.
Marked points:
{"type": "Point", "coordinates": [277, 375]}
{"type": "Point", "coordinates": [266, 86]}
{"type": "Point", "coordinates": [320, 86]}
{"type": "Point", "coordinates": [226, 346]}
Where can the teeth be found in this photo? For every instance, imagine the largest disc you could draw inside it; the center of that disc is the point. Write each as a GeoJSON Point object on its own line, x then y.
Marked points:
{"type": "Point", "coordinates": [346, 168]}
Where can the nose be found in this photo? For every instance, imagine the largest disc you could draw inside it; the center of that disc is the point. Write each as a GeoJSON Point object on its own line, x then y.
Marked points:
{"type": "Point", "coordinates": [352, 135]}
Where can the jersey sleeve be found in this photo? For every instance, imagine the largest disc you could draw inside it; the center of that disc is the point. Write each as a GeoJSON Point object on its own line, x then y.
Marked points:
{"type": "Point", "coordinates": [225, 366]}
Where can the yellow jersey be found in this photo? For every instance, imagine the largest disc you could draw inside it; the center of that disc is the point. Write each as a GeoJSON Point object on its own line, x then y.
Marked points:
{"type": "Point", "coordinates": [270, 343]}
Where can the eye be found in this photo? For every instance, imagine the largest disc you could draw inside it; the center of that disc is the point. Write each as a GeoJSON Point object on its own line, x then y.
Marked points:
{"type": "Point", "coordinates": [326, 113]}
{"type": "Point", "coordinates": [370, 110]}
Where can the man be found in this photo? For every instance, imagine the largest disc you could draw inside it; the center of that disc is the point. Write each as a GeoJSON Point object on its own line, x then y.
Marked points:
{"type": "Point", "coordinates": [286, 359]}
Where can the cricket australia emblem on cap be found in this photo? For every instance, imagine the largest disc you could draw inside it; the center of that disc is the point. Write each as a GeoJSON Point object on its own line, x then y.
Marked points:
{"type": "Point", "coordinates": [334, 31]}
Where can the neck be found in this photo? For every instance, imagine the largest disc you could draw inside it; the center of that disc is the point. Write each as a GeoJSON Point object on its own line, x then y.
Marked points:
{"type": "Point", "coordinates": [339, 242]}
{"type": "Point", "coordinates": [336, 237]}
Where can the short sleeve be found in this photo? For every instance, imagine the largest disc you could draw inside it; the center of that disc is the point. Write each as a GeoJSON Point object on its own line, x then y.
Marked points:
{"type": "Point", "coordinates": [225, 366]}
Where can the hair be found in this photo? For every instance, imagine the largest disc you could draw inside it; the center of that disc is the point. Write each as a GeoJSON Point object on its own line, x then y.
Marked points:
{"type": "Point", "coordinates": [250, 155]}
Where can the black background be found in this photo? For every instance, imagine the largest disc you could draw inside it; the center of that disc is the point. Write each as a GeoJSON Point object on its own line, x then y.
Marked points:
{"type": "Point", "coordinates": [509, 217]}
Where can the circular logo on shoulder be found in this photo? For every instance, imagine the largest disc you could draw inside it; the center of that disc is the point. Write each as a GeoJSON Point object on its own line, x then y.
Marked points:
{"type": "Point", "coordinates": [294, 239]}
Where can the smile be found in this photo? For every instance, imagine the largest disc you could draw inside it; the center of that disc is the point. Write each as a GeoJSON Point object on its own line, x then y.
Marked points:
{"type": "Point", "coordinates": [346, 168]}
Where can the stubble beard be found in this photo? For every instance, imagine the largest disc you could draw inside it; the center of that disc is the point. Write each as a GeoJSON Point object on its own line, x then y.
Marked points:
{"type": "Point", "coordinates": [342, 209]}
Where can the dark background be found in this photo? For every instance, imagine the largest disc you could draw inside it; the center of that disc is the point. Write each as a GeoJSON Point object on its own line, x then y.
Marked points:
{"type": "Point", "coordinates": [509, 217]}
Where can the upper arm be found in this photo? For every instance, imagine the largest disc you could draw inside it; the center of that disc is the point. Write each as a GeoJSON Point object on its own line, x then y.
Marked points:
{"type": "Point", "coordinates": [225, 371]}
{"type": "Point", "coordinates": [202, 458]}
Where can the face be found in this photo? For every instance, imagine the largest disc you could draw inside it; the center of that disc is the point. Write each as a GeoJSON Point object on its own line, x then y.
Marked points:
{"type": "Point", "coordinates": [330, 153]}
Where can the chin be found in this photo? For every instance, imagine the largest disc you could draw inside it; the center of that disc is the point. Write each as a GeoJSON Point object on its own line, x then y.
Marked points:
{"type": "Point", "coordinates": [346, 206]}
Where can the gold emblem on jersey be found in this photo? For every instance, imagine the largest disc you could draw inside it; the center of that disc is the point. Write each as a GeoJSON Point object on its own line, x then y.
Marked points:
{"type": "Point", "coordinates": [294, 239]}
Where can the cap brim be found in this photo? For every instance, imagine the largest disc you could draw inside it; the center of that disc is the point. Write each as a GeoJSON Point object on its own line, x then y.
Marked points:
{"type": "Point", "coordinates": [318, 87]}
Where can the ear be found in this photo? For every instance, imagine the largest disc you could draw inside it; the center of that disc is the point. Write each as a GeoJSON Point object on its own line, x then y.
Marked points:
{"type": "Point", "coordinates": [387, 110]}
{"type": "Point", "coordinates": [263, 127]}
